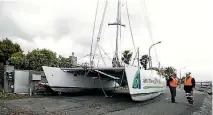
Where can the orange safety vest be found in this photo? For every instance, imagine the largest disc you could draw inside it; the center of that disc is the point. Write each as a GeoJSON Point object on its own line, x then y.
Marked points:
{"type": "Point", "coordinates": [173, 83]}
{"type": "Point", "coordinates": [188, 81]}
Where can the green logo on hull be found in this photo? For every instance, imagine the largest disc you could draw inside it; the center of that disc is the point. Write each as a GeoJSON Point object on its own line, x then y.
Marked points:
{"type": "Point", "coordinates": [137, 80]}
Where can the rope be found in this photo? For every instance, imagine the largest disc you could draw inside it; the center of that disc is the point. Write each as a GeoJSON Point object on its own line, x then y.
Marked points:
{"type": "Point", "coordinates": [130, 26]}
{"type": "Point", "coordinates": [122, 78]}
{"type": "Point", "coordinates": [148, 25]}
{"type": "Point", "coordinates": [87, 73]}
{"type": "Point", "coordinates": [102, 86]}
{"type": "Point", "coordinates": [101, 82]}
{"type": "Point", "coordinates": [93, 31]}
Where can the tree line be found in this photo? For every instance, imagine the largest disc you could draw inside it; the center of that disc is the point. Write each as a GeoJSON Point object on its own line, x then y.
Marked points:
{"type": "Point", "coordinates": [12, 54]}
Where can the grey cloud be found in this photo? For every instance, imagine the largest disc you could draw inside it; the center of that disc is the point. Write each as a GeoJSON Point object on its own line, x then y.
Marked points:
{"type": "Point", "coordinates": [84, 41]}
{"type": "Point", "coordinates": [61, 26]}
{"type": "Point", "coordinates": [9, 28]}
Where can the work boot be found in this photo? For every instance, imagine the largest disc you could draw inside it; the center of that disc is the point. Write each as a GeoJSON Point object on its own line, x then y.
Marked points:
{"type": "Point", "coordinates": [174, 102]}
{"type": "Point", "coordinates": [190, 104]}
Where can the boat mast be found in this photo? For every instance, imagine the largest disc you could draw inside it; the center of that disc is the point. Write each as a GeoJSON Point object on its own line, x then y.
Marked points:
{"type": "Point", "coordinates": [118, 25]}
{"type": "Point", "coordinates": [99, 34]}
{"type": "Point", "coordinates": [91, 64]}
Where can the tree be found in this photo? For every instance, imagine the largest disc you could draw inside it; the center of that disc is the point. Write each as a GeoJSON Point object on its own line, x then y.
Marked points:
{"type": "Point", "coordinates": [168, 71]}
{"type": "Point", "coordinates": [154, 68]}
{"type": "Point", "coordinates": [41, 57]}
{"type": "Point", "coordinates": [127, 55]}
{"type": "Point", "coordinates": [161, 71]}
{"type": "Point", "coordinates": [18, 60]}
{"type": "Point", "coordinates": [144, 61]}
{"type": "Point", "coordinates": [7, 48]}
{"type": "Point", "coordinates": [65, 62]}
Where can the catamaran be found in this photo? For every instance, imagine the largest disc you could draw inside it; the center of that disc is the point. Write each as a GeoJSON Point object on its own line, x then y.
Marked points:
{"type": "Point", "coordinates": [141, 84]}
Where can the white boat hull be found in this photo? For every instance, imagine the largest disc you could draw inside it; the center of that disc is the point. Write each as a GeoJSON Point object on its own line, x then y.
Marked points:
{"type": "Point", "coordinates": [149, 83]}
{"type": "Point", "coordinates": [144, 84]}
{"type": "Point", "coordinates": [62, 81]}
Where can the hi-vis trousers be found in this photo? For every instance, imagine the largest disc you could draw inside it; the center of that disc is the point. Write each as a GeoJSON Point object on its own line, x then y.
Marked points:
{"type": "Point", "coordinates": [189, 96]}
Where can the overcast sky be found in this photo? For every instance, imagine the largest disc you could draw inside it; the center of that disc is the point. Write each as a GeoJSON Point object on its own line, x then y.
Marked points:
{"type": "Point", "coordinates": [185, 28]}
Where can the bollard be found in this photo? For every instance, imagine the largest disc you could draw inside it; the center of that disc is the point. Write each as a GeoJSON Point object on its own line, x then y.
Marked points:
{"type": "Point", "coordinates": [30, 91]}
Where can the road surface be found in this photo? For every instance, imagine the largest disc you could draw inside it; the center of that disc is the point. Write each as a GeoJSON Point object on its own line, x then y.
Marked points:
{"type": "Point", "coordinates": [96, 104]}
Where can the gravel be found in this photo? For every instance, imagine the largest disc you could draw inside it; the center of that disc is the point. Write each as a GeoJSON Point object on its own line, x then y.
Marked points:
{"type": "Point", "coordinates": [206, 108]}
{"type": "Point", "coordinates": [96, 104]}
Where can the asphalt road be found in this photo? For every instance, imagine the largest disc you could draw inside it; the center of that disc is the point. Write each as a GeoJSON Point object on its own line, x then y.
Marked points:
{"type": "Point", "coordinates": [96, 104]}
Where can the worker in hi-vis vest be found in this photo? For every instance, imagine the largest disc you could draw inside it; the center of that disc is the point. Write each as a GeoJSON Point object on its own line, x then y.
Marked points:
{"type": "Point", "coordinates": [189, 85]}
{"type": "Point", "coordinates": [173, 83]}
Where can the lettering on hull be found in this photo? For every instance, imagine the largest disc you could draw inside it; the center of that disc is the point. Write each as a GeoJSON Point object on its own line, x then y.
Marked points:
{"type": "Point", "coordinates": [155, 81]}
{"type": "Point", "coordinates": [137, 82]}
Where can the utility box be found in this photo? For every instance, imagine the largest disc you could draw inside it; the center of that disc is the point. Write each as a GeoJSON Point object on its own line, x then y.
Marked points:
{"type": "Point", "coordinates": [36, 77]}
{"type": "Point", "coordinates": [10, 76]}
{"type": "Point", "coordinates": [9, 79]}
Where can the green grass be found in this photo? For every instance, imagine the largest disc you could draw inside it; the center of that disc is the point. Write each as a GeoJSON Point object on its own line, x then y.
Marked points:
{"type": "Point", "coordinates": [10, 96]}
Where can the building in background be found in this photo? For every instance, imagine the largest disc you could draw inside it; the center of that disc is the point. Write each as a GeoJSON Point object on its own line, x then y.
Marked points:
{"type": "Point", "coordinates": [74, 59]}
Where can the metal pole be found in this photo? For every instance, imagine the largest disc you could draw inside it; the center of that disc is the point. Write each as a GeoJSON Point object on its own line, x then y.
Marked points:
{"type": "Point", "coordinates": [150, 56]}
{"type": "Point", "coordinates": [93, 34]}
{"type": "Point", "coordinates": [138, 59]}
{"type": "Point", "coordinates": [150, 65]}
{"type": "Point", "coordinates": [118, 25]}
{"type": "Point", "coordinates": [118, 19]}
{"type": "Point", "coordinates": [180, 76]}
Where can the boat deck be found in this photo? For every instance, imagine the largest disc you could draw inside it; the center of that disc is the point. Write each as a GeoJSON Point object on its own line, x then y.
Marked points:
{"type": "Point", "coordinates": [94, 68]}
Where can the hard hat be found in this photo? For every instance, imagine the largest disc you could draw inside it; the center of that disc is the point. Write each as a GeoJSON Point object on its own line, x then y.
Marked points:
{"type": "Point", "coordinates": [188, 73]}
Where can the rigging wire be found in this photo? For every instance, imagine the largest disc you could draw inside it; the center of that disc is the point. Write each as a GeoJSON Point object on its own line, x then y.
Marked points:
{"type": "Point", "coordinates": [101, 56]}
{"type": "Point", "coordinates": [135, 57]}
{"type": "Point", "coordinates": [104, 52]}
{"type": "Point", "coordinates": [130, 27]}
{"type": "Point", "coordinates": [100, 29]}
{"type": "Point", "coordinates": [144, 9]}
{"type": "Point", "coordinates": [93, 30]}
{"type": "Point", "coordinates": [107, 54]}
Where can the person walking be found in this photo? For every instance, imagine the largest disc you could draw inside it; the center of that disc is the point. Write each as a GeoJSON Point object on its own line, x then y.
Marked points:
{"type": "Point", "coordinates": [189, 85]}
{"type": "Point", "coordinates": [173, 83]}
